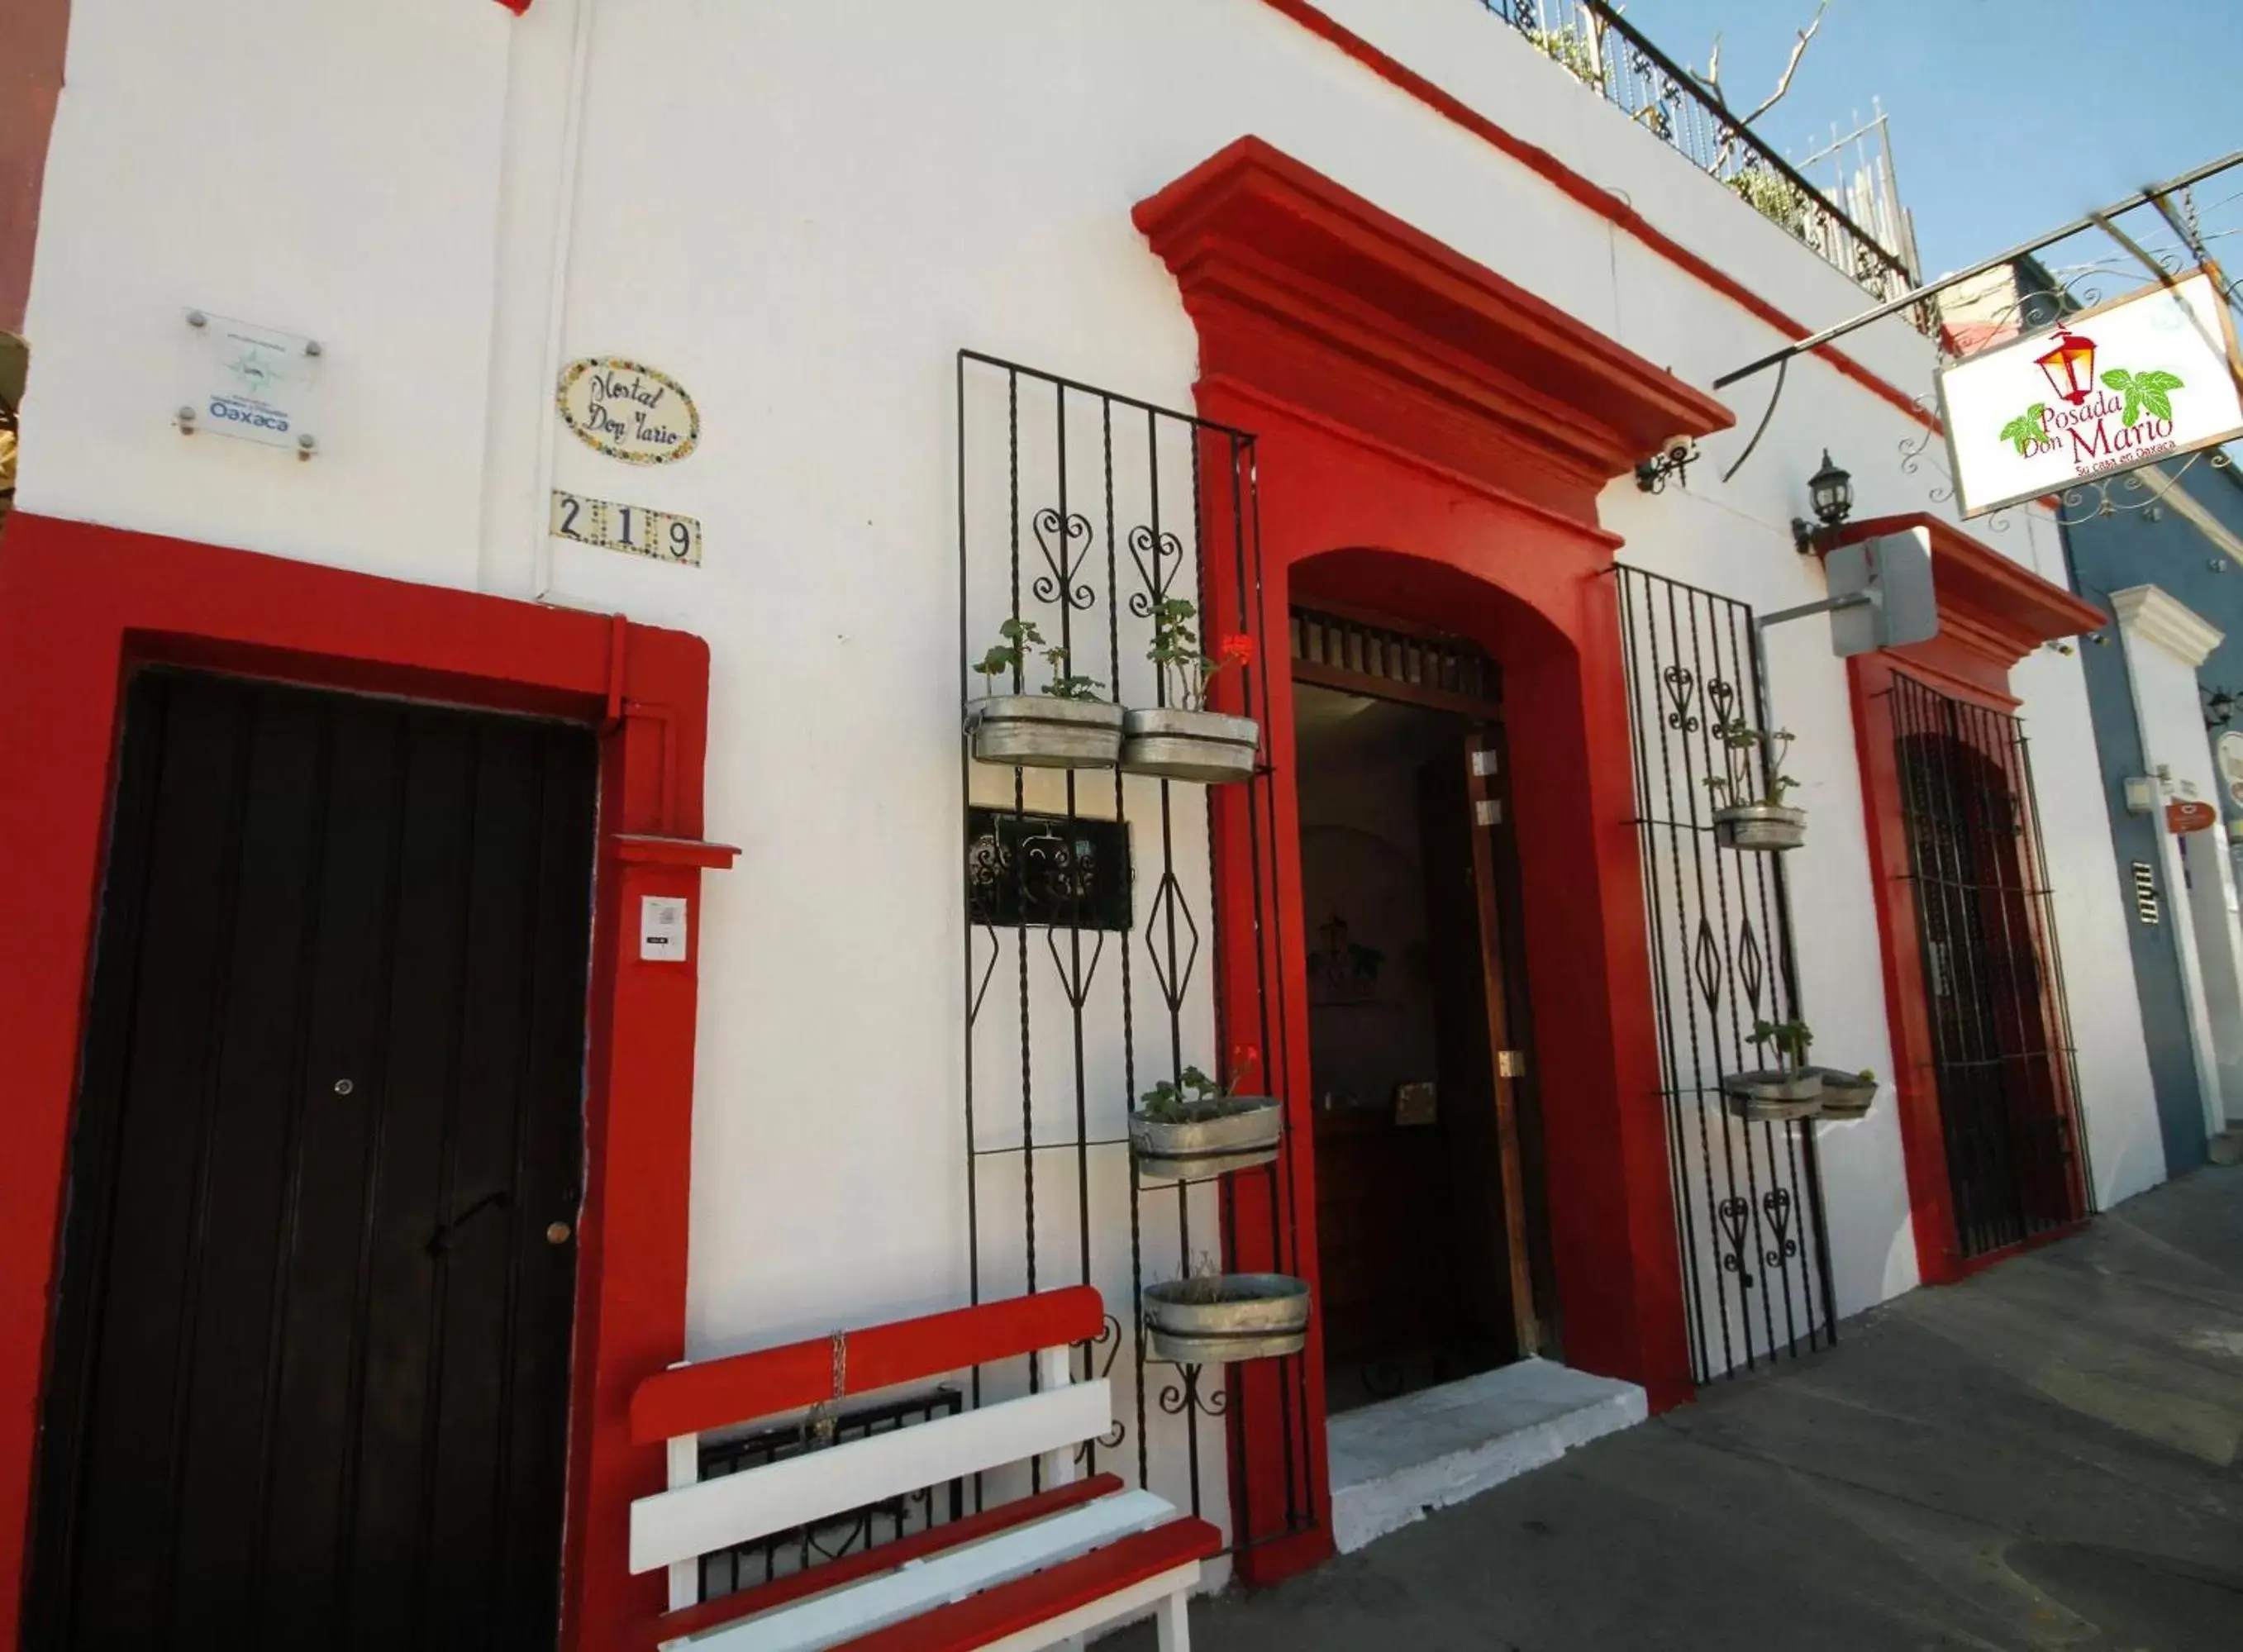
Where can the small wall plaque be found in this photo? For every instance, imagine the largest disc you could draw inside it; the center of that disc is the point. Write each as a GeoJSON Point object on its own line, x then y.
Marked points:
{"type": "Point", "coordinates": [628, 410]}
{"type": "Point", "coordinates": [252, 383]}
{"type": "Point", "coordinates": [661, 535]}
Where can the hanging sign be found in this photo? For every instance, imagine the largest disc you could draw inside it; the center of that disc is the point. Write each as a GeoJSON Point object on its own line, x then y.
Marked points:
{"type": "Point", "coordinates": [2143, 378]}
{"type": "Point", "coordinates": [628, 410]}
{"type": "Point", "coordinates": [2229, 752]}
{"type": "Point", "coordinates": [2187, 814]}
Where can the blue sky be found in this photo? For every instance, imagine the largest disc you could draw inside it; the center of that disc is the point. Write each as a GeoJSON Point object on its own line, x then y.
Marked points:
{"type": "Point", "coordinates": [2009, 117]}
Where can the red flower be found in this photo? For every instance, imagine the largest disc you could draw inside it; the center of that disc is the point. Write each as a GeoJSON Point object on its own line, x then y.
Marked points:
{"type": "Point", "coordinates": [1238, 650]}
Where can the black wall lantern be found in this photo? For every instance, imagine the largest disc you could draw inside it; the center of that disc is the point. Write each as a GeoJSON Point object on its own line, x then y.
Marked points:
{"type": "Point", "coordinates": [2219, 707]}
{"type": "Point", "coordinates": [1831, 489]}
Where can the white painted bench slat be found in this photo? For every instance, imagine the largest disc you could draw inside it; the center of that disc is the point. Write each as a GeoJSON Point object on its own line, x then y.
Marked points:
{"type": "Point", "coordinates": [921, 1586]}
{"type": "Point", "coordinates": [1166, 1592]}
{"type": "Point", "coordinates": [716, 1513]}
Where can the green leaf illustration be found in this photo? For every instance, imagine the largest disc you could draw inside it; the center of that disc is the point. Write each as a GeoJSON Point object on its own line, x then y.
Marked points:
{"type": "Point", "coordinates": [2156, 391]}
{"type": "Point", "coordinates": [2118, 378]}
{"type": "Point", "coordinates": [2025, 428]}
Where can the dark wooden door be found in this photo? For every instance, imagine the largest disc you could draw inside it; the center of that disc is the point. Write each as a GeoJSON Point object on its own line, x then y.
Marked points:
{"type": "Point", "coordinates": [310, 1365]}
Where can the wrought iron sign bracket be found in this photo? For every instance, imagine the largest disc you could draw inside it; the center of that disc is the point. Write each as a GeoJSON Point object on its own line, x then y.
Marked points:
{"type": "Point", "coordinates": [1783, 616]}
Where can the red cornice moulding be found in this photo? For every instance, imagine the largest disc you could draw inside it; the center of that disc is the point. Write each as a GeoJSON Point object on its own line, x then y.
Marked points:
{"type": "Point", "coordinates": [1307, 290]}
{"type": "Point", "coordinates": [1994, 609]}
{"type": "Point", "coordinates": [1591, 195]}
{"type": "Point", "coordinates": [1604, 538]}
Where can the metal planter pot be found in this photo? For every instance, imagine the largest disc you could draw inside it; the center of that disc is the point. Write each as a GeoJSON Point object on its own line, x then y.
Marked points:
{"type": "Point", "coordinates": [1178, 744]}
{"type": "Point", "coordinates": [1764, 828]}
{"type": "Point", "coordinates": [1041, 731]}
{"type": "Point", "coordinates": [1252, 1316]}
{"type": "Point", "coordinates": [1212, 1140]}
{"type": "Point", "coordinates": [1844, 1095]}
{"type": "Point", "coordinates": [1772, 1096]}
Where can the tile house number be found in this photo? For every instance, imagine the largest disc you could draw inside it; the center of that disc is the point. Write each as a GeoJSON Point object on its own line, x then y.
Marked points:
{"type": "Point", "coordinates": [661, 535]}
{"type": "Point", "coordinates": [628, 410]}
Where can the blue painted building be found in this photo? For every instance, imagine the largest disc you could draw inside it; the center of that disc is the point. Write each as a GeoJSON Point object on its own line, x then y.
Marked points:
{"type": "Point", "coordinates": [2161, 550]}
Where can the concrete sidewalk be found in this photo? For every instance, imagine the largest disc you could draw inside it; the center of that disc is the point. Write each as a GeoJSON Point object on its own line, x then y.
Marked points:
{"type": "Point", "coordinates": [2044, 1456]}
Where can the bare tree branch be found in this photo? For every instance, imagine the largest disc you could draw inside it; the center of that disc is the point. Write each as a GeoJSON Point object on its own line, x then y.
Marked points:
{"type": "Point", "coordinates": [1798, 50]}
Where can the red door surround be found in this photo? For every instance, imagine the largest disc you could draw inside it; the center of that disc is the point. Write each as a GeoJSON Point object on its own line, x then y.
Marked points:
{"type": "Point", "coordinates": [1415, 458]}
{"type": "Point", "coordinates": [80, 606]}
{"type": "Point", "coordinates": [1992, 613]}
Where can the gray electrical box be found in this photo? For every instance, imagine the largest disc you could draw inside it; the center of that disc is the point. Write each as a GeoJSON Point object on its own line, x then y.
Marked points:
{"type": "Point", "coordinates": [1894, 570]}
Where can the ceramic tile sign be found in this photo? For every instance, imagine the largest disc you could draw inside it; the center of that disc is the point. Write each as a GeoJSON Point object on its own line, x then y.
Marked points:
{"type": "Point", "coordinates": [628, 410]}
{"type": "Point", "coordinates": [2147, 377]}
{"type": "Point", "coordinates": [249, 381]}
{"type": "Point", "coordinates": [662, 534]}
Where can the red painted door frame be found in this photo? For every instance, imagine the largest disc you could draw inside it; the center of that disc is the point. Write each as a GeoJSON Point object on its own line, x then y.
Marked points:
{"type": "Point", "coordinates": [1992, 613]}
{"type": "Point", "coordinates": [1411, 460]}
{"type": "Point", "coordinates": [80, 607]}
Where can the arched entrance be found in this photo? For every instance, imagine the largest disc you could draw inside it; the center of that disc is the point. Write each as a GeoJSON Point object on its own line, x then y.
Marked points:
{"type": "Point", "coordinates": [1413, 466]}
{"type": "Point", "coordinates": [1430, 1212]}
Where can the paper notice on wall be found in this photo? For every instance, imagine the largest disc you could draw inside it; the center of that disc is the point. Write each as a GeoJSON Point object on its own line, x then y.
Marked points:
{"type": "Point", "coordinates": [662, 928]}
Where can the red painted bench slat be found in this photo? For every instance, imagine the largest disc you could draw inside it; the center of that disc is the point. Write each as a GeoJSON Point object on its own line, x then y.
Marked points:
{"type": "Point", "coordinates": [816, 1580]}
{"type": "Point", "coordinates": [695, 1397]}
{"type": "Point", "coordinates": [964, 1625]}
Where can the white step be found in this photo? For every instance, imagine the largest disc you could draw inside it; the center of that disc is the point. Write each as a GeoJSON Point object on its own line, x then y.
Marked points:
{"type": "Point", "coordinates": [1394, 1462]}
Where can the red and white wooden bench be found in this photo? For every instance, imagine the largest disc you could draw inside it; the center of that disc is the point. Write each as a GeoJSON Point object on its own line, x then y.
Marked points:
{"type": "Point", "coordinates": [1080, 1555]}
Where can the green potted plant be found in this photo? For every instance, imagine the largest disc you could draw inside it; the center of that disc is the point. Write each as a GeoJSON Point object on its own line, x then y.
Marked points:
{"type": "Point", "coordinates": [1066, 726]}
{"type": "Point", "coordinates": [1788, 1090]}
{"type": "Point", "coordinates": [1183, 740]}
{"type": "Point", "coordinates": [1210, 1317]}
{"type": "Point", "coordinates": [1746, 819]}
{"type": "Point", "coordinates": [1193, 1129]}
{"type": "Point", "coordinates": [1846, 1094]}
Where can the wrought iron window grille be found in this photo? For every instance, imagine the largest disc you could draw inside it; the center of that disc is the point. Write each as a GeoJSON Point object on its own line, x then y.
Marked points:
{"type": "Point", "coordinates": [2003, 1062]}
{"type": "Point", "coordinates": [1749, 1213]}
{"type": "Point", "coordinates": [1083, 511]}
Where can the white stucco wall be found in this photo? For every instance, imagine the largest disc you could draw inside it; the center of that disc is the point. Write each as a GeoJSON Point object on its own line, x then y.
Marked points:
{"type": "Point", "coordinates": [802, 212]}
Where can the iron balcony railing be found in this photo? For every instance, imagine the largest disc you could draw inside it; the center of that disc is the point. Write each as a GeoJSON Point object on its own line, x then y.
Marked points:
{"type": "Point", "coordinates": [1606, 52]}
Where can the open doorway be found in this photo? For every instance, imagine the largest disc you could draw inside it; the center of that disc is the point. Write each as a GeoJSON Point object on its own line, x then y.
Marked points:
{"type": "Point", "coordinates": [1428, 1194]}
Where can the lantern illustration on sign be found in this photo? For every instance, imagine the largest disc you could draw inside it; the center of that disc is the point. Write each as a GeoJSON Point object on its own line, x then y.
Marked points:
{"type": "Point", "coordinates": [2071, 366]}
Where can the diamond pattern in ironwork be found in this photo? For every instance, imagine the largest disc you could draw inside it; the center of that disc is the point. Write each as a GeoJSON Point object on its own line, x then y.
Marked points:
{"type": "Point", "coordinates": [1169, 906]}
{"type": "Point", "coordinates": [1706, 964]}
{"type": "Point", "coordinates": [1749, 963]}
